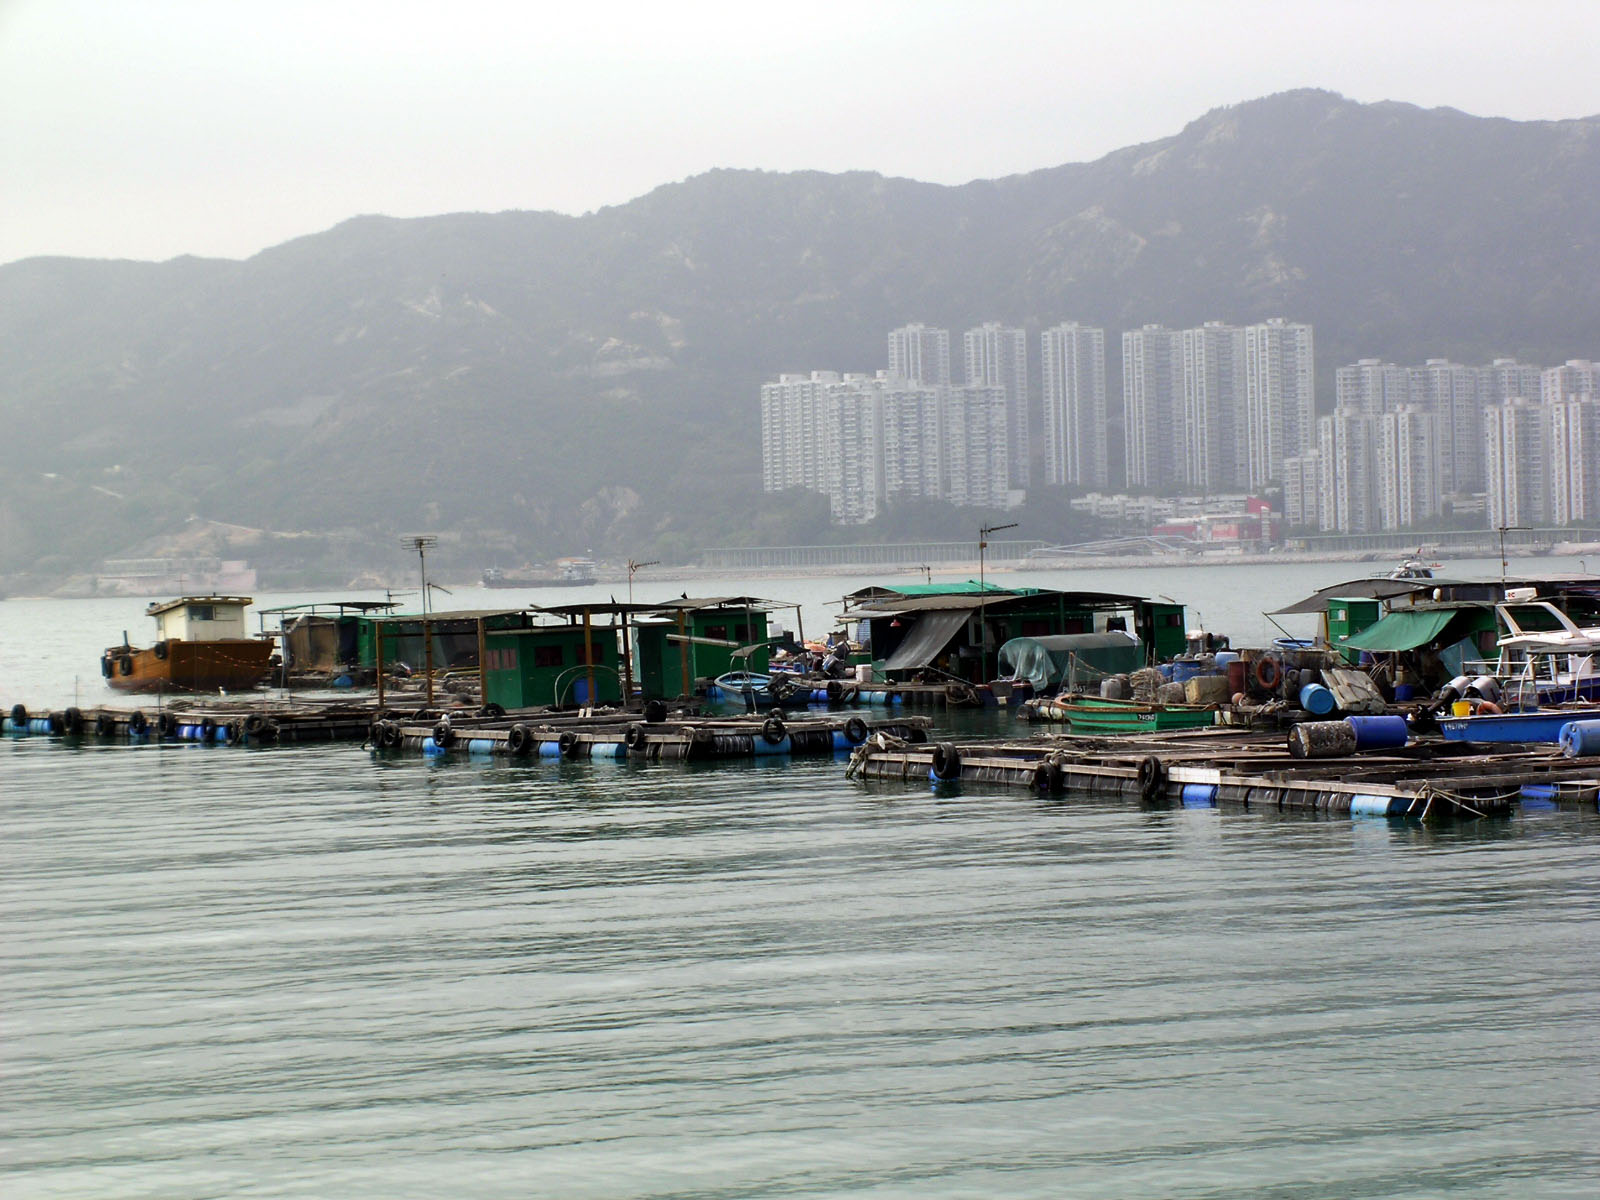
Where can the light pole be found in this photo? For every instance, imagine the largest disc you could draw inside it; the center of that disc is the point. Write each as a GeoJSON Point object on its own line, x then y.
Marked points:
{"type": "Point", "coordinates": [420, 543]}
{"type": "Point", "coordinates": [983, 629]}
{"type": "Point", "coordinates": [634, 567]}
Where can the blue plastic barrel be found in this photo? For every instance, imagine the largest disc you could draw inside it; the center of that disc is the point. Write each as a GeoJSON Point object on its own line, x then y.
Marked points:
{"type": "Point", "coordinates": [1372, 806]}
{"type": "Point", "coordinates": [1317, 700]}
{"type": "Point", "coordinates": [431, 747]}
{"type": "Point", "coordinates": [762, 748]}
{"type": "Point", "coordinates": [1537, 796]}
{"type": "Point", "coordinates": [480, 746]}
{"type": "Point", "coordinates": [1580, 739]}
{"type": "Point", "coordinates": [611, 750]}
{"type": "Point", "coordinates": [549, 749]}
{"type": "Point", "coordinates": [1378, 733]}
{"type": "Point", "coordinates": [1199, 795]}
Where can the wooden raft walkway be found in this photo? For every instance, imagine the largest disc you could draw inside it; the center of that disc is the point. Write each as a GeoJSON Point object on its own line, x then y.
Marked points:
{"type": "Point", "coordinates": [1207, 767]}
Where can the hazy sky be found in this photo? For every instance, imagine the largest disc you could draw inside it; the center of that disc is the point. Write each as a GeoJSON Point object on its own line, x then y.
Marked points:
{"type": "Point", "coordinates": [152, 128]}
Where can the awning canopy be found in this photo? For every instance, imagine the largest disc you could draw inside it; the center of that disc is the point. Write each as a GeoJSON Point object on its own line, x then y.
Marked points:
{"type": "Point", "coordinates": [927, 638]}
{"type": "Point", "coordinates": [1404, 630]}
{"type": "Point", "coordinates": [1355, 589]}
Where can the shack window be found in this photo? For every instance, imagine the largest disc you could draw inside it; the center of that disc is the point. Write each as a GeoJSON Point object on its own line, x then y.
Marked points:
{"type": "Point", "coordinates": [547, 656]}
{"type": "Point", "coordinates": [741, 632]}
{"type": "Point", "coordinates": [202, 612]}
{"type": "Point", "coordinates": [717, 631]}
{"type": "Point", "coordinates": [1172, 620]}
{"type": "Point", "coordinates": [578, 655]}
{"type": "Point", "coordinates": [1035, 627]}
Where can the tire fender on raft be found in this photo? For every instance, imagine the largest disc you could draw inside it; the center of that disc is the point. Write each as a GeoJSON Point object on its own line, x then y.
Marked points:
{"type": "Point", "coordinates": [443, 734]}
{"type": "Point", "coordinates": [1152, 779]}
{"type": "Point", "coordinates": [855, 731]}
{"type": "Point", "coordinates": [568, 741]}
{"type": "Point", "coordinates": [167, 723]}
{"type": "Point", "coordinates": [946, 762]}
{"type": "Point", "coordinates": [519, 739]}
{"type": "Point", "coordinates": [772, 729]}
{"type": "Point", "coordinates": [1268, 673]}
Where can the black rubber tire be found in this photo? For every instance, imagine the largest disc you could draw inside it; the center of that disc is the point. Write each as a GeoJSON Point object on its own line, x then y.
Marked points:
{"type": "Point", "coordinates": [492, 710]}
{"type": "Point", "coordinates": [254, 724]}
{"type": "Point", "coordinates": [1044, 779]}
{"type": "Point", "coordinates": [855, 731]}
{"type": "Point", "coordinates": [655, 711]}
{"type": "Point", "coordinates": [19, 716]}
{"type": "Point", "coordinates": [634, 737]}
{"type": "Point", "coordinates": [161, 649]}
{"type": "Point", "coordinates": [72, 721]}
{"type": "Point", "coordinates": [946, 762]}
{"type": "Point", "coordinates": [568, 742]}
{"type": "Point", "coordinates": [835, 691]}
{"type": "Point", "coordinates": [137, 722]}
{"type": "Point", "coordinates": [233, 731]}
{"type": "Point", "coordinates": [519, 740]}
{"type": "Point", "coordinates": [167, 723]}
{"type": "Point", "coordinates": [208, 729]}
{"type": "Point", "coordinates": [125, 664]}
{"type": "Point", "coordinates": [392, 736]}
{"type": "Point", "coordinates": [773, 731]}
{"type": "Point", "coordinates": [1152, 779]}
{"type": "Point", "coordinates": [106, 667]}
{"type": "Point", "coordinates": [443, 735]}
{"type": "Point", "coordinates": [105, 725]}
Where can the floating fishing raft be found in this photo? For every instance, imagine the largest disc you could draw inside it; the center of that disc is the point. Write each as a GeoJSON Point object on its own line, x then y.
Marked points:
{"type": "Point", "coordinates": [1208, 767]}
{"type": "Point", "coordinates": [623, 735]}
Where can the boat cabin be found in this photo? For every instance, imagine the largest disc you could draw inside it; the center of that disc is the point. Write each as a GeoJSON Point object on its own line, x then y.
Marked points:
{"type": "Point", "coordinates": [200, 618]}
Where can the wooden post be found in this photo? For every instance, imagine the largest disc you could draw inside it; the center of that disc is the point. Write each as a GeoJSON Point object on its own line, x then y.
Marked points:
{"type": "Point", "coordinates": [588, 652]}
{"type": "Point", "coordinates": [483, 668]}
{"type": "Point", "coordinates": [627, 663]}
{"type": "Point", "coordinates": [379, 652]}
{"type": "Point", "coordinates": [427, 657]}
{"type": "Point", "coordinates": [683, 654]}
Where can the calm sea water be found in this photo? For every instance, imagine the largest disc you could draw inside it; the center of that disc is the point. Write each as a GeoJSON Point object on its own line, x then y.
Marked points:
{"type": "Point", "coordinates": [310, 971]}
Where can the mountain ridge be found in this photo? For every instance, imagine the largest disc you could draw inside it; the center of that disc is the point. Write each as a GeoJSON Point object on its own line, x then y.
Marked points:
{"type": "Point", "coordinates": [517, 376]}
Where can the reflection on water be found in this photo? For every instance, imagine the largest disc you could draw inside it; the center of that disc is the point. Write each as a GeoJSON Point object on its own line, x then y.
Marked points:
{"type": "Point", "coordinates": [311, 971]}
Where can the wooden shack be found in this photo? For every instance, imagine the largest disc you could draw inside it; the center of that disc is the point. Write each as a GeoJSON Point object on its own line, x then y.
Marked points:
{"type": "Point", "coordinates": [955, 630]}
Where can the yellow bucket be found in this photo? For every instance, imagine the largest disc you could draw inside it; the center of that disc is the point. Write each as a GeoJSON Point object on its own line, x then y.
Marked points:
{"type": "Point", "coordinates": [1461, 708]}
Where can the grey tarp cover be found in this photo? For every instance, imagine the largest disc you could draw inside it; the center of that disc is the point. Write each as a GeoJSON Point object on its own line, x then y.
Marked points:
{"type": "Point", "coordinates": [927, 638]}
{"type": "Point", "coordinates": [1047, 662]}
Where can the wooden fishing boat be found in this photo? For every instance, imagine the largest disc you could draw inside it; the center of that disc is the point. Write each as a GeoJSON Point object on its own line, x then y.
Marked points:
{"type": "Point", "coordinates": [1095, 714]}
{"type": "Point", "coordinates": [201, 646]}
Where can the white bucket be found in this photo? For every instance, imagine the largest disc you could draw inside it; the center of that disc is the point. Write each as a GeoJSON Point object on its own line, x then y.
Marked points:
{"type": "Point", "coordinates": [863, 672]}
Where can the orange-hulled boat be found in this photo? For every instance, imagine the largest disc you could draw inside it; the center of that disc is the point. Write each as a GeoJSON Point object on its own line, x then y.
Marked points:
{"type": "Point", "coordinates": [201, 646]}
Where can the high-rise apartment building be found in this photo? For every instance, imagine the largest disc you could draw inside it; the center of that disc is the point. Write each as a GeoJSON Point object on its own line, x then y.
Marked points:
{"type": "Point", "coordinates": [1574, 456]}
{"type": "Point", "coordinates": [1302, 490]}
{"type": "Point", "coordinates": [1516, 472]}
{"type": "Point", "coordinates": [1506, 379]}
{"type": "Point", "coordinates": [1152, 406]}
{"type": "Point", "coordinates": [1578, 378]}
{"type": "Point", "coordinates": [1345, 460]}
{"type": "Point", "coordinates": [1407, 460]}
{"type": "Point", "coordinates": [997, 356]}
{"type": "Point", "coordinates": [1280, 398]}
{"type": "Point", "coordinates": [920, 354]}
{"type": "Point", "coordinates": [1372, 386]}
{"type": "Point", "coordinates": [1073, 359]}
{"type": "Point", "coordinates": [1452, 393]}
{"type": "Point", "coordinates": [1212, 428]}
